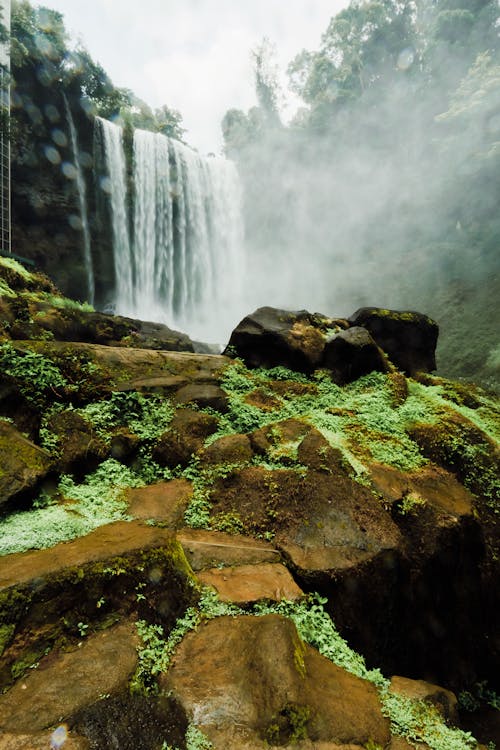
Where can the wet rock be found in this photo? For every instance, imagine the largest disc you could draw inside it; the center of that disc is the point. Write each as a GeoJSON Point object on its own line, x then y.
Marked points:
{"type": "Point", "coordinates": [207, 549]}
{"type": "Point", "coordinates": [64, 683]}
{"type": "Point", "coordinates": [46, 595]}
{"type": "Point", "coordinates": [270, 337]}
{"type": "Point", "coordinates": [250, 583]}
{"type": "Point", "coordinates": [121, 367]}
{"type": "Point", "coordinates": [22, 464]}
{"type": "Point", "coordinates": [230, 449]}
{"type": "Point", "coordinates": [256, 674]}
{"type": "Point", "coordinates": [165, 502]}
{"type": "Point", "coordinates": [186, 435]}
{"type": "Point", "coordinates": [68, 324]}
{"type": "Point", "coordinates": [408, 338]}
{"type": "Point", "coordinates": [351, 354]}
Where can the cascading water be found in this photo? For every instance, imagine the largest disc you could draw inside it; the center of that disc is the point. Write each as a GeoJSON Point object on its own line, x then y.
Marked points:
{"type": "Point", "coordinates": [82, 200]}
{"type": "Point", "coordinates": [115, 184]}
{"type": "Point", "coordinates": [185, 264]}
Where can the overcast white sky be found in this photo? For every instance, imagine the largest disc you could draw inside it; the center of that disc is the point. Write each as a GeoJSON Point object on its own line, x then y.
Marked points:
{"type": "Point", "coordinates": [193, 55]}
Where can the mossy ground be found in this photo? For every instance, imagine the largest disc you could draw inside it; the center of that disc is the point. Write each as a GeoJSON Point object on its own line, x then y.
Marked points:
{"type": "Point", "coordinates": [379, 418]}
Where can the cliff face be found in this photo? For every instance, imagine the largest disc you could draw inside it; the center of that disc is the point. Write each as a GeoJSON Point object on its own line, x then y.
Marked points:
{"type": "Point", "coordinates": [208, 520]}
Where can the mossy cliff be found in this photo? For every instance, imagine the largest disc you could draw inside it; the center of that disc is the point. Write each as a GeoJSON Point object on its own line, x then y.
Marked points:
{"type": "Point", "coordinates": [133, 478]}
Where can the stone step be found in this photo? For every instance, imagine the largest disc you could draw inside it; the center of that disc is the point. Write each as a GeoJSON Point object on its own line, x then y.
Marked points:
{"type": "Point", "coordinates": [209, 549]}
{"type": "Point", "coordinates": [250, 583]}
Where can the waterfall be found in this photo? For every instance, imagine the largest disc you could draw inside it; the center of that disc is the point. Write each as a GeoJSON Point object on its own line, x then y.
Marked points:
{"type": "Point", "coordinates": [115, 184]}
{"type": "Point", "coordinates": [184, 263]}
{"type": "Point", "coordinates": [82, 200]}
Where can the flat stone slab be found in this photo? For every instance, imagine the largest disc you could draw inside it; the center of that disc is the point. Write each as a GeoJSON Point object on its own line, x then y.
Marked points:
{"type": "Point", "coordinates": [165, 501]}
{"type": "Point", "coordinates": [22, 464]}
{"type": "Point", "coordinates": [108, 541]}
{"type": "Point", "coordinates": [250, 583]}
{"type": "Point", "coordinates": [208, 549]}
{"type": "Point", "coordinates": [434, 485]}
{"type": "Point", "coordinates": [63, 685]}
{"type": "Point", "coordinates": [126, 364]}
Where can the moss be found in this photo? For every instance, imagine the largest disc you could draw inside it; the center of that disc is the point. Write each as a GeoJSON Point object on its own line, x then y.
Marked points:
{"type": "Point", "coordinates": [289, 725]}
{"type": "Point", "coordinates": [6, 633]}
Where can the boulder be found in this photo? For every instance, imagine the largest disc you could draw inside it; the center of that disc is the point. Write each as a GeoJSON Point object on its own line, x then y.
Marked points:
{"type": "Point", "coordinates": [203, 395]}
{"type": "Point", "coordinates": [255, 673]}
{"type": "Point", "coordinates": [351, 354]}
{"type": "Point", "coordinates": [22, 463]}
{"type": "Point", "coordinates": [229, 449]}
{"type": "Point", "coordinates": [408, 338]}
{"type": "Point", "coordinates": [270, 337]}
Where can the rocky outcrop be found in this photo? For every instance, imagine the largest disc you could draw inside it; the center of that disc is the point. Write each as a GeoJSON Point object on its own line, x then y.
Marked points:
{"type": "Point", "coordinates": [347, 349]}
{"type": "Point", "coordinates": [209, 501]}
{"type": "Point", "coordinates": [237, 691]}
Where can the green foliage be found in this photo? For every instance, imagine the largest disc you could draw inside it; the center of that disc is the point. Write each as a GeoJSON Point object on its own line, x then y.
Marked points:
{"type": "Point", "coordinates": [64, 303]}
{"type": "Point", "coordinates": [95, 502]}
{"type": "Point", "coordinates": [38, 379]}
{"type": "Point", "coordinates": [420, 721]}
{"type": "Point", "coordinates": [146, 416]}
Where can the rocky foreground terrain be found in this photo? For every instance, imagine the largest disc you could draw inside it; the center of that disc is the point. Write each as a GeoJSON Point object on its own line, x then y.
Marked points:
{"type": "Point", "coordinates": [294, 544]}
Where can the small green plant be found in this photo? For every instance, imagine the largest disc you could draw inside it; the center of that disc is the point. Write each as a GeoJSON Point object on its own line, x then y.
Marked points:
{"type": "Point", "coordinates": [38, 379]}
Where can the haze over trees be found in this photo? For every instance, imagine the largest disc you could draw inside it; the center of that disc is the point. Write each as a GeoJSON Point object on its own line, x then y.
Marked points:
{"type": "Point", "coordinates": [384, 188]}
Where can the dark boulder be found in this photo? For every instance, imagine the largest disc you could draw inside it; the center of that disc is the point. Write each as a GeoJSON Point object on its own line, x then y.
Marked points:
{"type": "Point", "coordinates": [408, 338]}
{"type": "Point", "coordinates": [351, 354]}
{"type": "Point", "coordinates": [270, 337]}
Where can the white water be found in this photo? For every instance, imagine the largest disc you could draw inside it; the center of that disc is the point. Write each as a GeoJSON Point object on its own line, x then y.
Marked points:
{"type": "Point", "coordinates": [82, 201]}
{"type": "Point", "coordinates": [186, 263]}
{"type": "Point", "coordinates": [112, 139]}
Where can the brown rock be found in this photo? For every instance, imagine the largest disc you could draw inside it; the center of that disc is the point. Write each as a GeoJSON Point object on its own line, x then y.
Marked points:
{"type": "Point", "coordinates": [113, 540]}
{"type": "Point", "coordinates": [203, 395]}
{"type": "Point", "coordinates": [433, 485]}
{"type": "Point", "coordinates": [77, 440]}
{"type": "Point", "coordinates": [206, 549]}
{"type": "Point", "coordinates": [165, 502]}
{"type": "Point", "coordinates": [40, 741]}
{"type": "Point", "coordinates": [186, 435]}
{"type": "Point", "coordinates": [316, 453]}
{"type": "Point", "coordinates": [250, 583]}
{"type": "Point", "coordinates": [254, 672]}
{"type": "Point", "coordinates": [230, 449]}
{"type": "Point", "coordinates": [444, 700]}
{"type": "Point", "coordinates": [62, 686]}
{"type": "Point", "coordinates": [22, 464]}
{"type": "Point", "coordinates": [126, 364]}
